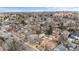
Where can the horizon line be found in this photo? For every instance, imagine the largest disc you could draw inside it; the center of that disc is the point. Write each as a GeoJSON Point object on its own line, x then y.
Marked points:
{"type": "Point", "coordinates": [37, 9]}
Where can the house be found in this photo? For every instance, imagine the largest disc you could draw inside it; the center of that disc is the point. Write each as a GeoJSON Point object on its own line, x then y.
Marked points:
{"type": "Point", "coordinates": [74, 37]}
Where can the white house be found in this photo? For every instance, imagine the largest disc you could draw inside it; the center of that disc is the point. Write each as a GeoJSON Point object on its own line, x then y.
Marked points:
{"type": "Point", "coordinates": [73, 37]}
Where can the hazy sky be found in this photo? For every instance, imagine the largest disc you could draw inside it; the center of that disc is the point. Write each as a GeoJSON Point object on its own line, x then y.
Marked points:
{"type": "Point", "coordinates": [26, 9]}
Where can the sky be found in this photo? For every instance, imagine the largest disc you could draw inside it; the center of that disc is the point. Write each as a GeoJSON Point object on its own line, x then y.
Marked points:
{"type": "Point", "coordinates": [36, 9]}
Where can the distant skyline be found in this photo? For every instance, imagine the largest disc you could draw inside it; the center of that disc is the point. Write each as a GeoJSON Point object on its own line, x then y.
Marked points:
{"type": "Point", "coordinates": [37, 9]}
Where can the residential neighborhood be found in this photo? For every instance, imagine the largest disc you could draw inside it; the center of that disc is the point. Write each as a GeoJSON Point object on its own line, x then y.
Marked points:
{"type": "Point", "coordinates": [39, 31]}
